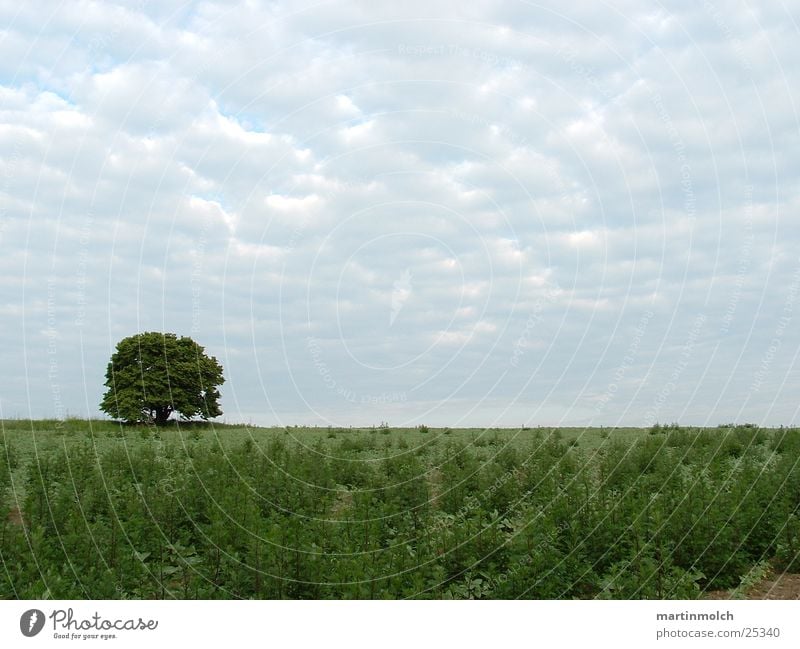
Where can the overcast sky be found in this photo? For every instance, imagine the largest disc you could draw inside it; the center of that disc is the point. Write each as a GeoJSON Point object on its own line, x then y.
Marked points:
{"type": "Point", "coordinates": [463, 214]}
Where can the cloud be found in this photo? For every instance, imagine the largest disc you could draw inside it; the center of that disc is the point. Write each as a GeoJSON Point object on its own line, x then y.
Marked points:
{"type": "Point", "coordinates": [418, 212]}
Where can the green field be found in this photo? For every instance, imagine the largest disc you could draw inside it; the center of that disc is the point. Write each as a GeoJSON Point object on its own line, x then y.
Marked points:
{"type": "Point", "coordinates": [92, 509]}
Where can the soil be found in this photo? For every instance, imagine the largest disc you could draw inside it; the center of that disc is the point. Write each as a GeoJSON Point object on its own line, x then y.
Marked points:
{"type": "Point", "coordinates": [435, 484]}
{"type": "Point", "coordinates": [15, 516]}
{"type": "Point", "coordinates": [775, 586]}
{"type": "Point", "coordinates": [343, 501]}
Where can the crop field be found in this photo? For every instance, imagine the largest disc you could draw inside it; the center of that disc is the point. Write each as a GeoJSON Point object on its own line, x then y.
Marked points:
{"type": "Point", "coordinates": [92, 509]}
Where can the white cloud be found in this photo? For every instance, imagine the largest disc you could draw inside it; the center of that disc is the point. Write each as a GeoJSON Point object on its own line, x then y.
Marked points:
{"type": "Point", "coordinates": [541, 175]}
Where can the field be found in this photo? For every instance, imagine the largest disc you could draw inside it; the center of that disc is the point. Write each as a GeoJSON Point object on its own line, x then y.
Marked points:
{"type": "Point", "coordinates": [91, 509]}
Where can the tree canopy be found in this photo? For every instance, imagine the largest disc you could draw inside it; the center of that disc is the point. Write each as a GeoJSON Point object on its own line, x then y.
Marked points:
{"type": "Point", "coordinates": [152, 375]}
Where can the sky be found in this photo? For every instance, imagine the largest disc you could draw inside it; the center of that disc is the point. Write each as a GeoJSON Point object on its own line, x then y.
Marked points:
{"type": "Point", "coordinates": [445, 213]}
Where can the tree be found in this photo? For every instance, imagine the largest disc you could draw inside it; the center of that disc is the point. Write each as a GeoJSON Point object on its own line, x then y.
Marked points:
{"type": "Point", "coordinates": [151, 375]}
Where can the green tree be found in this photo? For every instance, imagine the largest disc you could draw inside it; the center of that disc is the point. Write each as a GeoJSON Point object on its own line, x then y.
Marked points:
{"type": "Point", "coordinates": [152, 374]}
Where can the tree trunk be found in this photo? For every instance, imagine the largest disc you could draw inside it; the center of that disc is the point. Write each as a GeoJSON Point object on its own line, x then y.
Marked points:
{"type": "Point", "coordinates": [162, 414]}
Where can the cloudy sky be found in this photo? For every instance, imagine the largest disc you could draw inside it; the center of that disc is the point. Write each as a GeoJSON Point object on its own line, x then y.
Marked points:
{"type": "Point", "coordinates": [464, 214]}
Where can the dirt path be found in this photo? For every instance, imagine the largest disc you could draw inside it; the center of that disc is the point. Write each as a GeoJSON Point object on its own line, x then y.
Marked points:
{"type": "Point", "coordinates": [782, 586]}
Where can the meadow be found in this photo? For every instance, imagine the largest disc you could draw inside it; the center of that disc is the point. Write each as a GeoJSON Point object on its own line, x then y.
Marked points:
{"type": "Point", "coordinates": [96, 510]}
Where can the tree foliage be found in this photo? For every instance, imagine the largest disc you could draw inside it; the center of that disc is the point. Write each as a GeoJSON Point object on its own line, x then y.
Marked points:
{"type": "Point", "coordinates": [152, 375]}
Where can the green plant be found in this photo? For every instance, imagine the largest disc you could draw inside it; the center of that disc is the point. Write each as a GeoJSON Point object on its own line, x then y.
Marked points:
{"type": "Point", "coordinates": [255, 513]}
{"type": "Point", "coordinates": [753, 576]}
{"type": "Point", "coordinates": [788, 547]}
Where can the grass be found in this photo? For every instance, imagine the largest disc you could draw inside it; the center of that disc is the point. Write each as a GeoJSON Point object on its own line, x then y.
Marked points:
{"type": "Point", "coordinates": [32, 438]}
